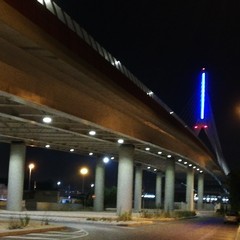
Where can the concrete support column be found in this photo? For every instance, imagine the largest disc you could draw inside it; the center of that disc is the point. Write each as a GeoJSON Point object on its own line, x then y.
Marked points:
{"type": "Point", "coordinates": [98, 203]}
{"type": "Point", "coordinates": [16, 176]}
{"type": "Point", "coordinates": [200, 191]}
{"type": "Point", "coordinates": [158, 189]}
{"type": "Point", "coordinates": [138, 188]}
{"type": "Point", "coordinates": [125, 179]}
{"type": "Point", "coordinates": [190, 189]}
{"type": "Point", "coordinates": [169, 185]}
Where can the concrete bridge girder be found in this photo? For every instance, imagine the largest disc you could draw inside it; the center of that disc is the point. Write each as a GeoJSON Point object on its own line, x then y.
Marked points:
{"type": "Point", "coordinates": [37, 71]}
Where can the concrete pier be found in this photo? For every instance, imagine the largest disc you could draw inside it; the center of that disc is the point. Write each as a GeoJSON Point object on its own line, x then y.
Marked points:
{"type": "Point", "coordinates": [125, 179]}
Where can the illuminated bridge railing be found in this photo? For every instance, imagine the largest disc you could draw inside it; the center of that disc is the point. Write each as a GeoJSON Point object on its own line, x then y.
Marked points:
{"type": "Point", "coordinates": [75, 27]}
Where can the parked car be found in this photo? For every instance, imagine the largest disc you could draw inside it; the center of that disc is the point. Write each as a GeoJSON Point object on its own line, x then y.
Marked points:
{"type": "Point", "coordinates": [231, 217]}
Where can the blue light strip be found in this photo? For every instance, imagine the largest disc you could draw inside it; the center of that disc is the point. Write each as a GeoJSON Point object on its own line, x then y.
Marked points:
{"type": "Point", "coordinates": [202, 96]}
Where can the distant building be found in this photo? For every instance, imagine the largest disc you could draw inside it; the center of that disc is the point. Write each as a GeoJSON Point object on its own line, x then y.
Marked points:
{"type": "Point", "coordinates": [3, 192]}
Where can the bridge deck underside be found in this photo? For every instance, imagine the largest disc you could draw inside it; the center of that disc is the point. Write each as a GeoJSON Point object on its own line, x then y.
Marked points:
{"type": "Point", "coordinates": [19, 122]}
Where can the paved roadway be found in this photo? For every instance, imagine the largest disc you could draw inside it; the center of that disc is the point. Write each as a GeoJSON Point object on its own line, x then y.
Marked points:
{"type": "Point", "coordinates": [202, 228]}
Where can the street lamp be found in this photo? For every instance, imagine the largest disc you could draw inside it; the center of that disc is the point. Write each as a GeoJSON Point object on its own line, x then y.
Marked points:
{"type": "Point", "coordinates": [83, 172]}
{"type": "Point", "coordinates": [30, 166]}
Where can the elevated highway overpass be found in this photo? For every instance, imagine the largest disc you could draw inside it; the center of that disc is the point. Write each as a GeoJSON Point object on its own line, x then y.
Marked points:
{"type": "Point", "coordinates": [51, 67]}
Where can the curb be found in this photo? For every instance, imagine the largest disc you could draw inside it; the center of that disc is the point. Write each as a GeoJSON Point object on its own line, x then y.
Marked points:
{"type": "Point", "coordinates": [34, 230]}
{"type": "Point", "coordinates": [134, 224]}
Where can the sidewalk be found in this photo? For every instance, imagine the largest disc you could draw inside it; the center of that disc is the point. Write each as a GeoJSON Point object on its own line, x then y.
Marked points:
{"type": "Point", "coordinates": [238, 234]}
{"type": "Point", "coordinates": [67, 216]}
{"type": "Point", "coordinates": [55, 217]}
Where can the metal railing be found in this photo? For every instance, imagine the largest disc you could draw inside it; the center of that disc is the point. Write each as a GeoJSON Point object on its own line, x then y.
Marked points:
{"type": "Point", "coordinates": [82, 33]}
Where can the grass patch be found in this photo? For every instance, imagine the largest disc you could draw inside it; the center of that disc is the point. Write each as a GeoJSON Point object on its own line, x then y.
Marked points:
{"type": "Point", "coordinates": [166, 214]}
{"type": "Point", "coordinates": [103, 219]}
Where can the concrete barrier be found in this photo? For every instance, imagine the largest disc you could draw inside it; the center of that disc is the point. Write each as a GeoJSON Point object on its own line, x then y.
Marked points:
{"type": "Point", "coordinates": [46, 206]}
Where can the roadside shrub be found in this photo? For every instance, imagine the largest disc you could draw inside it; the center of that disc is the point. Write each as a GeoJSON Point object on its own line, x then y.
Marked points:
{"type": "Point", "coordinates": [153, 214]}
{"type": "Point", "coordinates": [24, 220]}
{"type": "Point", "coordinates": [166, 214]}
{"type": "Point", "coordinates": [14, 224]}
{"type": "Point", "coordinates": [145, 214]}
{"type": "Point", "coordinates": [126, 216]}
{"type": "Point", "coordinates": [45, 221]}
{"type": "Point", "coordinates": [19, 223]}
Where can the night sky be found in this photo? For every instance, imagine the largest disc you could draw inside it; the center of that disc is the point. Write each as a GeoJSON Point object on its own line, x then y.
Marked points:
{"type": "Point", "coordinates": [165, 44]}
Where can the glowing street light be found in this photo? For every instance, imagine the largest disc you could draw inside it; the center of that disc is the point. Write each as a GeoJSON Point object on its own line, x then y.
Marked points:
{"type": "Point", "coordinates": [47, 119]}
{"type": "Point", "coordinates": [105, 159]}
{"type": "Point", "coordinates": [83, 172]}
{"type": "Point", "coordinates": [30, 166]}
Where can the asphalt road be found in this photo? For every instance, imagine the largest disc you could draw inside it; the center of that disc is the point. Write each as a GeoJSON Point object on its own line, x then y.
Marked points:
{"type": "Point", "coordinates": [201, 228]}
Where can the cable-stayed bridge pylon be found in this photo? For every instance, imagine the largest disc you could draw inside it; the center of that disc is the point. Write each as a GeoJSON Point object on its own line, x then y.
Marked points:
{"type": "Point", "coordinates": [205, 122]}
{"type": "Point", "coordinates": [202, 120]}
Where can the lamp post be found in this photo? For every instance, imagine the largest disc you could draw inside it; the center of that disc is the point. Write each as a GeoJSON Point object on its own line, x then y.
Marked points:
{"type": "Point", "coordinates": [83, 172]}
{"type": "Point", "coordinates": [30, 166]}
